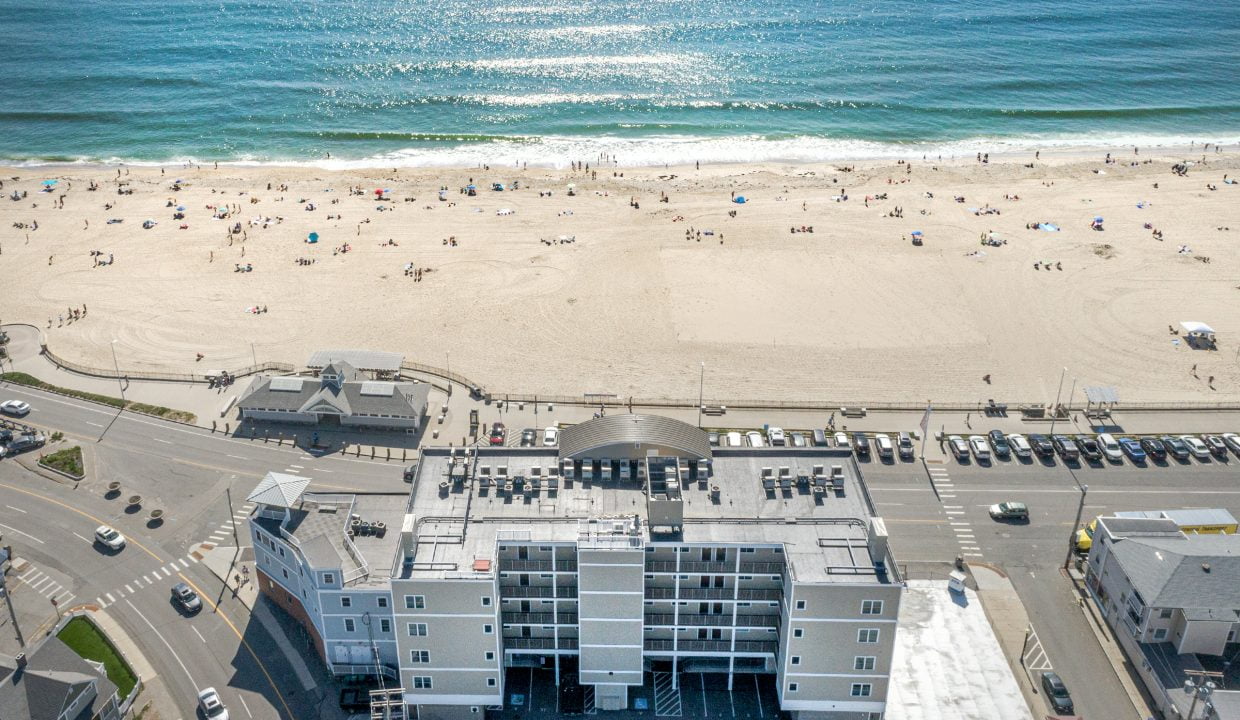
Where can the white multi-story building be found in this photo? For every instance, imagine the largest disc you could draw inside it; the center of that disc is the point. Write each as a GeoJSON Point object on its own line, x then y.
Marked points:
{"type": "Point", "coordinates": [633, 546]}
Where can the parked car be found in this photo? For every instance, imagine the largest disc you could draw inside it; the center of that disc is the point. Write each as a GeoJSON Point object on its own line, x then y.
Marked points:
{"type": "Point", "coordinates": [1057, 694]}
{"type": "Point", "coordinates": [886, 449]}
{"type": "Point", "coordinates": [1066, 447]}
{"type": "Point", "coordinates": [15, 407]}
{"type": "Point", "coordinates": [798, 439]}
{"type": "Point", "coordinates": [776, 436]}
{"type": "Point", "coordinates": [1132, 449]}
{"type": "Point", "coordinates": [713, 438]}
{"type": "Point", "coordinates": [1196, 446]}
{"type": "Point", "coordinates": [498, 433]}
{"type": "Point", "coordinates": [1089, 447]}
{"type": "Point", "coordinates": [1154, 448]}
{"type": "Point", "coordinates": [1009, 511]}
{"type": "Point", "coordinates": [1175, 447]}
{"type": "Point", "coordinates": [411, 471]}
{"type": "Point", "coordinates": [211, 706]}
{"type": "Point", "coordinates": [842, 441]}
{"type": "Point", "coordinates": [820, 437]}
{"type": "Point", "coordinates": [24, 442]}
{"type": "Point", "coordinates": [1041, 445]}
{"type": "Point", "coordinates": [1218, 448]}
{"type": "Point", "coordinates": [551, 436]}
{"type": "Point", "coordinates": [1233, 441]}
{"type": "Point", "coordinates": [529, 437]}
{"type": "Point", "coordinates": [861, 444]}
{"type": "Point", "coordinates": [1110, 447]}
{"type": "Point", "coordinates": [755, 439]}
{"type": "Point", "coordinates": [186, 598]}
{"type": "Point", "coordinates": [999, 443]}
{"type": "Point", "coordinates": [1020, 446]}
{"type": "Point", "coordinates": [904, 445]}
{"type": "Point", "coordinates": [109, 538]}
{"type": "Point", "coordinates": [733, 439]}
{"type": "Point", "coordinates": [981, 450]}
{"type": "Point", "coordinates": [959, 447]}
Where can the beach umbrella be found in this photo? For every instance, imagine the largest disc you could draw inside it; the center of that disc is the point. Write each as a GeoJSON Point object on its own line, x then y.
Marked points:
{"type": "Point", "coordinates": [739, 200]}
{"type": "Point", "coordinates": [471, 187]}
{"type": "Point", "coordinates": [1098, 219]}
{"type": "Point", "coordinates": [313, 237]}
{"type": "Point", "coordinates": [180, 208]}
{"type": "Point", "coordinates": [378, 191]}
{"type": "Point", "coordinates": [49, 183]}
{"type": "Point", "coordinates": [916, 233]}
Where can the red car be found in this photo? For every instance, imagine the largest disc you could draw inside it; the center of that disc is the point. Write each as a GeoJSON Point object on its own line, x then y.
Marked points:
{"type": "Point", "coordinates": [498, 433]}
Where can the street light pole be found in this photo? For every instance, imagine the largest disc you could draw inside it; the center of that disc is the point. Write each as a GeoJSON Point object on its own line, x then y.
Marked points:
{"type": "Point", "coordinates": [117, 366]}
{"type": "Point", "coordinates": [1055, 407]}
{"type": "Point", "coordinates": [448, 359]}
{"type": "Point", "coordinates": [1072, 537]}
{"type": "Point", "coordinates": [701, 389]}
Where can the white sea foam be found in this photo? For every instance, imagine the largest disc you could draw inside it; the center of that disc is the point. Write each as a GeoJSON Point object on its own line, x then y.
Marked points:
{"type": "Point", "coordinates": [680, 150]}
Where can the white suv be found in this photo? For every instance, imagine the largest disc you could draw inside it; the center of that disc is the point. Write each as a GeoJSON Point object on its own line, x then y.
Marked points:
{"type": "Point", "coordinates": [1110, 448]}
{"type": "Point", "coordinates": [109, 538]}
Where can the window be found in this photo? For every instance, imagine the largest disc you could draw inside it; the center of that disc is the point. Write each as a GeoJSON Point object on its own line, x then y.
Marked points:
{"type": "Point", "coordinates": [329, 579]}
{"type": "Point", "coordinates": [867, 636]}
{"type": "Point", "coordinates": [861, 689]}
{"type": "Point", "coordinates": [419, 656]}
{"type": "Point", "coordinates": [486, 601]}
{"type": "Point", "coordinates": [417, 629]}
{"type": "Point", "coordinates": [792, 687]}
{"type": "Point", "coordinates": [385, 625]}
{"type": "Point", "coordinates": [796, 659]}
{"type": "Point", "coordinates": [490, 655]}
{"type": "Point", "coordinates": [382, 601]}
{"type": "Point", "coordinates": [1165, 613]}
{"type": "Point", "coordinates": [863, 662]}
{"type": "Point", "coordinates": [348, 625]}
{"type": "Point", "coordinates": [798, 632]}
{"type": "Point", "coordinates": [346, 601]}
{"type": "Point", "coordinates": [1160, 634]}
{"type": "Point", "coordinates": [488, 629]}
{"type": "Point", "coordinates": [800, 604]}
{"type": "Point", "coordinates": [746, 577]}
{"type": "Point", "coordinates": [747, 550]}
{"type": "Point", "coordinates": [415, 602]}
{"type": "Point", "coordinates": [490, 682]}
{"type": "Point", "coordinates": [285, 573]}
{"type": "Point", "coordinates": [421, 682]}
{"type": "Point", "coordinates": [871, 607]}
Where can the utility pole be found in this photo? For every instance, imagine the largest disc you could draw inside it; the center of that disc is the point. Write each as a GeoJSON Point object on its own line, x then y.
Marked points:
{"type": "Point", "coordinates": [253, 355]}
{"type": "Point", "coordinates": [231, 517]}
{"type": "Point", "coordinates": [701, 389]}
{"type": "Point", "coordinates": [117, 366]}
{"type": "Point", "coordinates": [1055, 407]}
{"type": "Point", "coordinates": [1077, 523]}
{"type": "Point", "coordinates": [448, 359]}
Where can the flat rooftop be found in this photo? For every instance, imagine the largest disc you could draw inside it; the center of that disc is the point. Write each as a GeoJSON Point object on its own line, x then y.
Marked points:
{"type": "Point", "coordinates": [823, 534]}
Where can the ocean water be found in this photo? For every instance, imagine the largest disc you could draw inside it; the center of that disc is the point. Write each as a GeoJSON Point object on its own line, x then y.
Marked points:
{"type": "Point", "coordinates": [645, 81]}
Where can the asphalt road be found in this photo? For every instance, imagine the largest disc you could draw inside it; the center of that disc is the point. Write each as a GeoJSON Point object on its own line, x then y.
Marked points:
{"type": "Point", "coordinates": [938, 510]}
{"type": "Point", "coordinates": [189, 473]}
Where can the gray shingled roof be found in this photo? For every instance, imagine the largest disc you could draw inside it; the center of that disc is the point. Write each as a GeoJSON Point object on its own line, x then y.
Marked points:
{"type": "Point", "coordinates": [611, 430]}
{"type": "Point", "coordinates": [406, 399]}
{"type": "Point", "coordinates": [53, 678]}
{"type": "Point", "coordinates": [1171, 572]}
{"type": "Point", "coordinates": [370, 360]}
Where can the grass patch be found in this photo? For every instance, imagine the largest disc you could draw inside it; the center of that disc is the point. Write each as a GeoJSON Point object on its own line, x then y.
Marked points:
{"type": "Point", "coordinates": [86, 640]}
{"type": "Point", "coordinates": [68, 460]}
{"type": "Point", "coordinates": [22, 378]}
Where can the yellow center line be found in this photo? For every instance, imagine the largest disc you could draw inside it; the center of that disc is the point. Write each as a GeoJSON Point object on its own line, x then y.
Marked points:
{"type": "Point", "coordinates": [215, 608]}
{"type": "Point", "coordinates": [83, 513]}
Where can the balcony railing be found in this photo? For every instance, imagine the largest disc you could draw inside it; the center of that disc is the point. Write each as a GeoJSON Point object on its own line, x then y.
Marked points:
{"type": "Point", "coordinates": [762, 568]}
{"type": "Point", "coordinates": [698, 620]}
{"type": "Point", "coordinates": [537, 591]}
{"type": "Point", "coordinates": [529, 643]}
{"type": "Point", "coordinates": [512, 565]}
{"type": "Point", "coordinates": [343, 669]}
{"type": "Point", "coordinates": [667, 593]}
{"type": "Point", "coordinates": [742, 646]}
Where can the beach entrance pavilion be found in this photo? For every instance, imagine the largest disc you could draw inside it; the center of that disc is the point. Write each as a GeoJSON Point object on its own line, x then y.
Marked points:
{"type": "Point", "coordinates": [343, 396]}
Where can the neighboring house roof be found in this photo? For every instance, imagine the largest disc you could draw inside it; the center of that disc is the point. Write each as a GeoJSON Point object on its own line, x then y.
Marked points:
{"type": "Point", "coordinates": [279, 490]}
{"type": "Point", "coordinates": [368, 360]}
{"type": "Point", "coordinates": [54, 679]}
{"type": "Point", "coordinates": [1133, 526]}
{"type": "Point", "coordinates": [1195, 571]}
{"type": "Point", "coordinates": [628, 430]}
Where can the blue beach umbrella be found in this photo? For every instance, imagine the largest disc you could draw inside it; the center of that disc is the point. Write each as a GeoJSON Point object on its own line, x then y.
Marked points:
{"type": "Point", "coordinates": [1098, 219]}
{"type": "Point", "coordinates": [739, 200]}
{"type": "Point", "coordinates": [49, 183]}
{"type": "Point", "coordinates": [180, 208]}
{"type": "Point", "coordinates": [312, 237]}
{"type": "Point", "coordinates": [916, 233]}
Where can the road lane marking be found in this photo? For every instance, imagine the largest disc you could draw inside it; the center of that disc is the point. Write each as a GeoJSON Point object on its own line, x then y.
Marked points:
{"type": "Point", "coordinates": [247, 707]}
{"type": "Point", "coordinates": [215, 608]}
{"type": "Point", "coordinates": [954, 512]}
{"type": "Point", "coordinates": [200, 637]}
{"type": "Point", "coordinates": [166, 442]}
{"type": "Point", "coordinates": [166, 644]}
{"type": "Point", "coordinates": [110, 598]}
{"type": "Point", "coordinates": [19, 532]}
{"type": "Point", "coordinates": [237, 457]}
{"type": "Point", "coordinates": [86, 540]}
{"type": "Point", "coordinates": [93, 423]}
{"type": "Point", "coordinates": [296, 466]}
{"type": "Point", "coordinates": [324, 470]}
{"type": "Point", "coordinates": [23, 512]}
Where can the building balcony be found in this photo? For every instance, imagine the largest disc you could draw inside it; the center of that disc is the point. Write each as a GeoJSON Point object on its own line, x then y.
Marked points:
{"type": "Point", "coordinates": [762, 568]}
{"type": "Point", "coordinates": [746, 594]}
{"type": "Point", "coordinates": [712, 646]}
{"type": "Point", "coordinates": [539, 618]}
{"type": "Point", "coordinates": [540, 644]}
{"type": "Point", "coordinates": [537, 591]}
{"type": "Point", "coordinates": [512, 565]}
{"type": "Point", "coordinates": [697, 620]}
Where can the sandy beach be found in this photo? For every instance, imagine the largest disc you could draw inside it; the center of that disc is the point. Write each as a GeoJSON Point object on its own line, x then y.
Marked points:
{"type": "Point", "coordinates": [646, 290]}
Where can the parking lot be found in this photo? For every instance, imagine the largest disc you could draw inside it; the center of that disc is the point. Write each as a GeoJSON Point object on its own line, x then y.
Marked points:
{"type": "Point", "coordinates": [533, 693]}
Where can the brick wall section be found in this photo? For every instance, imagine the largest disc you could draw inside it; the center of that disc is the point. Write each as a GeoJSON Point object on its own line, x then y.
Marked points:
{"type": "Point", "coordinates": [290, 604]}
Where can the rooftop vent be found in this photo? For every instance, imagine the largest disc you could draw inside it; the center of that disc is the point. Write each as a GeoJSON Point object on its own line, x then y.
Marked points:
{"type": "Point", "coordinates": [1205, 567]}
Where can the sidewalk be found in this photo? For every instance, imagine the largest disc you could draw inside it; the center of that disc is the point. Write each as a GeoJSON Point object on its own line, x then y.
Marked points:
{"type": "Point", "coordinates": [1007, 616]}
{"type": "Point", "coordinates": [1114, 653]}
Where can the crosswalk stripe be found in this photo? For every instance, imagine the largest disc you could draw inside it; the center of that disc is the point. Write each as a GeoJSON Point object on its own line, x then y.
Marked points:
{"type": "Point", "coordinates": [100, 603]}
{"type": "Point", "coordinates": [184, 563]}
{"type": "Point", "coordinates": [45, 580]}
{"type": "Point", "coordinates": [129, 589]}
{"type": "Point", "coordinates": [167, 572]}
{"type": "Point", "coordinates": [109, 597]}
{"type": "Point", "coordinates": [32, 571]}
{"type": "Point", "coordinates": [193, 559]}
